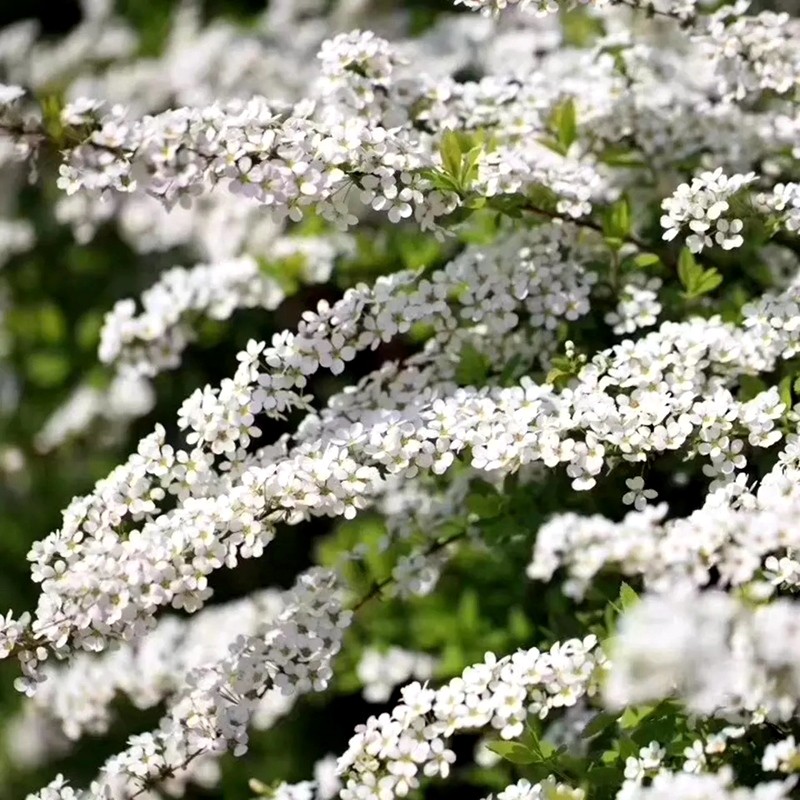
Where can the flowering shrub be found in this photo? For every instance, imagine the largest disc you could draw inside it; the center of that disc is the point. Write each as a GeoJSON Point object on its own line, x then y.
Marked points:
{"type": "Point", "coordinates": [509, 450]}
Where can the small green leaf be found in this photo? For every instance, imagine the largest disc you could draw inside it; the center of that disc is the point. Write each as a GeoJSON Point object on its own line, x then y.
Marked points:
{"type": "Point", "coordinates": [785, 391]}
{"type": "Point", "coordinates": [450, 152]}
{"type": "Point", "coordinates": [514, 752]}
{"type": "Point", "coordinates": [750, 386]}
{"type": "Point", "coordinates": [600, 722]}
{"type": "Point", "coordinates": [486, 506]}
{"type": "Point", "coordinates": [707, 281]}
{"type": "Point", "coordinates": [617, 223]}
{"type": "Point", "coordinates": [469, 168]}
{"type": "Point", "coordinates": [473, 366]}
{"type": "Point", "coordinates": [630, 717]}
{"type": "Point", "coordinates": [510, 370]}
{"type": "Point", "coordinates": [558, 378]}
{"type": "Point", "coordinates": [547, 749]}
{"type": "Point", "coordinates": [440, 180]}
{"type": "Point", "coordinates": [695, 280]}
{"type": "Point", "coordinates": [627, 597]}
{"type": "Point", "coordinates": [627, 747]}
{"type": "Point", "coordinates": [646, 260]}
{"type": "Point", "coordinates": [687, 268]}
{"type": "Point", "coordinates": [621, 157]}
{"type": "Point", "coordinates": [565, 123]}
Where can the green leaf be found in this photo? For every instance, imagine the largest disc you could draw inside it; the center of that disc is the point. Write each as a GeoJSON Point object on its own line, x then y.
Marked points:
{"type": "Point", "coordinates": [617, 223]}
{"type": "Point", "coordinates": [646, 260]}
{"type": "Point", "coordinates": [440, 180]}
{"type": "Point", "coordinates": [750, 386]}
{"type": "Point", "coordinates": [622, 157]}
{"type": "Point", "coordinates": [460, 153]}
{"type": "Point", "coordinates": [450, 152]}
{"type": "Point", "coordinates": [785, 391]}
{"type": "Point", "coordinates": [687, 268]}
{"type": "Point", "coordinates": [514, 752]}
{"type": "Point", "coordinates": [627, 597]}
{"type": "Point", "coordinates": [531, 736]}
{"type": "Point", "coordinates": [627, 747]}
{"type": "Point", "coordinates": [473, 366]}
{"type": "Point", "coordinates": [581, 29]}
{"type": "Point", "coordinates": [52, 105]}
{"type": "Point", "coordinates": [603, 776]}
{"type": "Point", "coordinates": [469, 168]}
{"type": "Point", "coordinates": [559, 377]}
{"type": "Point", "coordinates": [695, 280]}
{"type": "Point", "coordinates": [707, 281]}
{"type": "Point", "coordinates": [631, 716]}
{"type": "Point", "coordinates": [565, 124]}
{"type": "Point", "coordinates": [486, 506]}
{"type": "Point", "coordinates": [600, 722]}
{"type": "Point", "coordinates": [543, 197]}
{"type": "Point", "coordinates": [511, 370]}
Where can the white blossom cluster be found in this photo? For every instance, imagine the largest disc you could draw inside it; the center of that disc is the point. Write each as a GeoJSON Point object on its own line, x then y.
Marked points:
{"type": "Point", "coordinates": [548, 788]}
{"type": "Point", "coordinates": [784, 201]}
{"type": "Point", "coordinates": [543, 7]}
{"type": "Point", "coordinates": [162, 328]}
{"type": "Point", "coordinates": [665, 645]}
{"type": "Point", "coordinates": [709, 748]}
{"type": "Point", "coordinates": [645, 764]}
{"type": "Point", "coordinates": [78, 697]}
{"type": "Point", "coordinates": [211, 712]}
{"type": "Point", "coordinates": [291, 157]}
{"type": "Point", "coordinates": [665, 785]}
{"type": "Point", "coordinates": [496, 6]}
{"type": "Point", "coordinates": [701, 207]}
{"type": "Point", "coordinates": [680, 9]}
{"type": "Point", "coordinates": [325, 786]}
{"type": "Point", "coordinates": [380, 672]}
{"type": "Point", "coordinates": [153, 341]}
{"type": "Point", "coordinates": [782, 756]}
{"type": "Point", "coordinates": [339, 461]}
{"type": "Point", "coordinates": [740, 534]}
{"type": "Point", "coordinates": [157, 467]}
{"type": "Point", "coordinates": [638, 305]}
{"type": "Point", "coordinates": [752, 54]}
{"type": "Point", "coordinates": [668, 785]}
{"type": "Point", "coordinates": [389, 752]}
{"type": "Point", "coordinates": [371, 141]}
